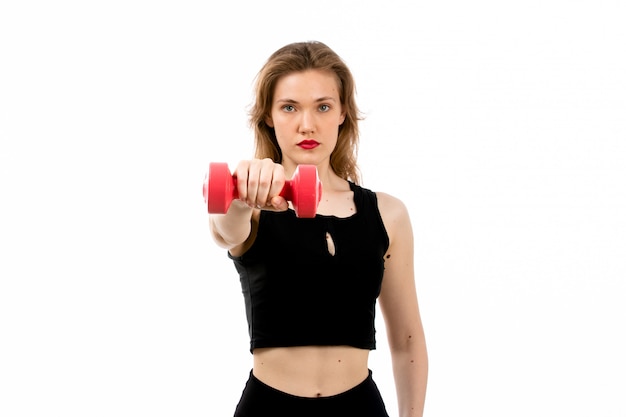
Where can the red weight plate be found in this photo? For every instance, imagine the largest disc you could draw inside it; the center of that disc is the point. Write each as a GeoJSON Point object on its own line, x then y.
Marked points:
{"type": "Point", "coordinates": [219, 188]}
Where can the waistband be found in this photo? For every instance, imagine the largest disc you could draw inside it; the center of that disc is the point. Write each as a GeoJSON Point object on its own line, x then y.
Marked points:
{"type": "Point", "coordinates": [261, 400]}
{"type": "Point", "coordinates": [366, 384]}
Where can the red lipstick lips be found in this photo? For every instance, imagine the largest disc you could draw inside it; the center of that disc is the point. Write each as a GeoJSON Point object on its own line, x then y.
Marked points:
{"type": "Point", "coordinates": [308, 144]}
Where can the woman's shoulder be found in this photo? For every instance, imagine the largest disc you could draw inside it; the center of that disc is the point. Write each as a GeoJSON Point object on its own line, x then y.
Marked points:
{"type": "Point", "coordinates": [389, 202]}
{"type": "Point", "coordinates": [392, 210]}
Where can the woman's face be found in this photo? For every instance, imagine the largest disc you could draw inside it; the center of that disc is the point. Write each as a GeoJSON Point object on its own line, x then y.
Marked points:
{"type": "Point", "coordinates": [306, 114]}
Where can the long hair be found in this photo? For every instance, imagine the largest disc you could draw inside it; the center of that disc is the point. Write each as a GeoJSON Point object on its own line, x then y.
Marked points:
{"type": "Point", "coordinates": [298, 57]}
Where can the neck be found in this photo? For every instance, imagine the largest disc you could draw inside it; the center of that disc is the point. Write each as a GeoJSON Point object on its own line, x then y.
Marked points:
{"type": "Point", "coordinates": [329, 179]}
{"type": "Point", "coordinates": [331, 182]}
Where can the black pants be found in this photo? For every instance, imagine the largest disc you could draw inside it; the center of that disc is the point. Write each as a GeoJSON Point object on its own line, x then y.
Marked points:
{"type": "Point", "coordinates": [261, 400]}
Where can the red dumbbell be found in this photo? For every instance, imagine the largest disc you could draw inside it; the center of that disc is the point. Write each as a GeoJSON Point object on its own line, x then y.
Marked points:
{"type": "Point", "coordinates": [304, 189]}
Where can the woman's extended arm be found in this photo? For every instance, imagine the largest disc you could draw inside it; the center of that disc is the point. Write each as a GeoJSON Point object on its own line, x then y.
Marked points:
{"type": "Point", "coordinates": [399, 305]}
{"type": "Point", "coordinates": [233, 228]}
{"type": "Point", "coordinates": [259, 182]}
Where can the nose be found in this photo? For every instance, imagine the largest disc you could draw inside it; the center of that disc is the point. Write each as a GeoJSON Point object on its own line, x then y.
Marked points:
{"type": "Point", "coordinates": [307, 122]}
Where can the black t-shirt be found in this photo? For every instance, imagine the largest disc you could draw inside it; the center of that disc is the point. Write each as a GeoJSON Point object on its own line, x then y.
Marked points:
{"type": "Point", "coordinates": [297, 293]}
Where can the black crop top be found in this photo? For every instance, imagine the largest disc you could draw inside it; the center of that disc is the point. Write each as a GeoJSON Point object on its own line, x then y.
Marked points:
{"type": "Point", "coordinates": [297, 294]}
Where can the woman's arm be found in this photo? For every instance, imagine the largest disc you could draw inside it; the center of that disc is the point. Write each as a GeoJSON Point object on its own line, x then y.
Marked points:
{"type": "Point", "coordinates": [399, 305]}
{"type": "Point", "coordinates": [233, 228]}
{"type": "Point", "coordinates": [259, 183]}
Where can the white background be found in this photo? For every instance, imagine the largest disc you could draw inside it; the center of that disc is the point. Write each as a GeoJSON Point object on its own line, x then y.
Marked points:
{"type": "Point", "coordinates": [501, 125]}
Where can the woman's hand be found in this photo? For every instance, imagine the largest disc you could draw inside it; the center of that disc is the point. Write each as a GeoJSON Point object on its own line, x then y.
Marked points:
{"type": "Point", "coordinates": [259, 183]}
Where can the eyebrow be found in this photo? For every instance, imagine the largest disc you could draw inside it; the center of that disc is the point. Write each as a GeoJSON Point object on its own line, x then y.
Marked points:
{"type": "Point", "coordinates": [292, 101]}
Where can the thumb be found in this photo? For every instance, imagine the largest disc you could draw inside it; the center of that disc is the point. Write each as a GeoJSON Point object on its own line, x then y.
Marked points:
{"type": "Point", "coordinates": [279, 203]}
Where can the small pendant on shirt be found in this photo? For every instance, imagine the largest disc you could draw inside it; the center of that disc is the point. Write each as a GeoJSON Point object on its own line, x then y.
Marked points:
{"type": "Point", "coordinates": [330, 243]}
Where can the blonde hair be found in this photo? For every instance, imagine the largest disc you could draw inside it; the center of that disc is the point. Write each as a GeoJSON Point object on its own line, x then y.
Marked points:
{"type": "Point", "coordinates": [298, 57]}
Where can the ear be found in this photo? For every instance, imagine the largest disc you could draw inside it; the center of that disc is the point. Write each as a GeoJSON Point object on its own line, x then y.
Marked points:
{"type": "Point", "coordinates": [270, 122]}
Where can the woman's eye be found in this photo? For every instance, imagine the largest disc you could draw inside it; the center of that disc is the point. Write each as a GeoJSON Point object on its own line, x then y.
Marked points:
{"type": "Point", "coordinates": [324, 107]}
{"type": "Point", "coordinates": [288, 108]}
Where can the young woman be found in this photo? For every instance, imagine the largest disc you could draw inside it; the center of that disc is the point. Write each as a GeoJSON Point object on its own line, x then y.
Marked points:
{"type": "Point", "coordinates": [311, 285]}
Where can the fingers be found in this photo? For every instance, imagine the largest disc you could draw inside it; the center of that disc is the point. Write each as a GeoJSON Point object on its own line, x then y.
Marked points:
{"type": "Point", "coordinates": [259, 181]}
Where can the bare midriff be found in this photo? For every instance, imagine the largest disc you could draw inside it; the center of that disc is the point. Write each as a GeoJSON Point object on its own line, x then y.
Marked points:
{"type": "Point", "coordinates": [311, 371]}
